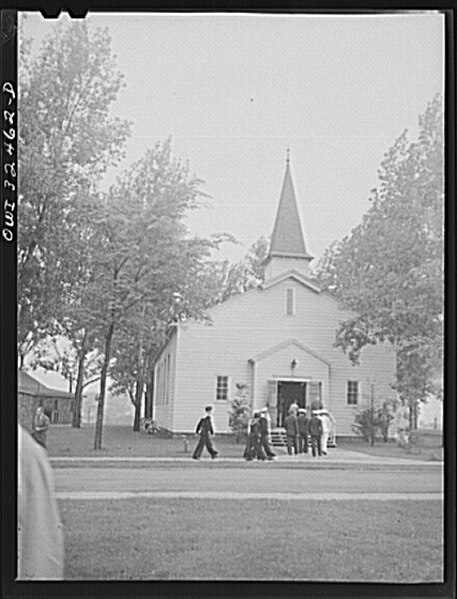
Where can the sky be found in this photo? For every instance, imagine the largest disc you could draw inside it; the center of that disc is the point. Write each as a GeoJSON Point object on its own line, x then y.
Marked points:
{"type": "Point", "coordinates": [234, 91]}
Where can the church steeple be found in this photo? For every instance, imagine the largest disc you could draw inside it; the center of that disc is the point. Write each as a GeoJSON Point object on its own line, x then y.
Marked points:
{"type": "Point", "coordinates": [287, 248]}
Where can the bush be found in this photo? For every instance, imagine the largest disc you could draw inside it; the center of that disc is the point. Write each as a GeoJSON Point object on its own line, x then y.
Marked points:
{"type": "Point", "coordinates": [370, 423]}
{"type": "Point", "coordinates": [150, 426]}
{"type": "Point", "coordinates": [239, 414]}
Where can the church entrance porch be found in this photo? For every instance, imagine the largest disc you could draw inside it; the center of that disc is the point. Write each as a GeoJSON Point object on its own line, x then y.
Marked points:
{"type": "Point", "coordinates": [282, 392]}
{"type": "Point", "coordinates": [288, 393]}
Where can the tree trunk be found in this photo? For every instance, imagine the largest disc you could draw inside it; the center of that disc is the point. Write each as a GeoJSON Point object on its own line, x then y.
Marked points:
{"type": "Point", "coordinates": [21, 361]}
{"type": "Point", "coordinates": [101, 400]}
{"type": "Point", "coordinates": [137, 419]}
{"type": "Point", "coordinates": [147, 399]}
{"type": "Point", "coordinates": [137, 403]}
{"type": "Point", "coordinates": [148, 404]}
{"type": "Point", "coordinates": [372, 424]}
{"type": "Point", "coordinates": [413, 415]}
{"type": "Point", "coordinates": [76, 423]}
{"type": "Point", "coordinates": [139, 377]}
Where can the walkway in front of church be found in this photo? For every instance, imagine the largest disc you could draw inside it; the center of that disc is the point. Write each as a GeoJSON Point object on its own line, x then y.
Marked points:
{"type": "Point", "coordinates": [341, 475]}
{"type": "Point", "coordinates": [226, 482]}
{"type": "Point", "coordinates": [335, 457]}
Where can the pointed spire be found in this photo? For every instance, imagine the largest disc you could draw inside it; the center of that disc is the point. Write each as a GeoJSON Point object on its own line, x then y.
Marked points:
{"type": "Point", "coordinates": [288, 238]}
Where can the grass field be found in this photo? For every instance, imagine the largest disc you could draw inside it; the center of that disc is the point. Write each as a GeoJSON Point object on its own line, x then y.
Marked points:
{"type": "Point", "coordinates": [121, 441]}
{"type": "Point", "coordinates": [141, 539]}
{"type": "Point", "coordinates": [226, 539]}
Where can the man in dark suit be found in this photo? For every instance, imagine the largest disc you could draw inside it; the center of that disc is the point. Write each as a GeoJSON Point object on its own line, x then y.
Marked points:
{"type": "Point", "coordinates": [291, 426]}
{"type": "Point", "coordinates": [205, 430]}
{"type": "Point", "coordinates": [302, 431]}
{"type": "Point", "coordinates": [315, 432]}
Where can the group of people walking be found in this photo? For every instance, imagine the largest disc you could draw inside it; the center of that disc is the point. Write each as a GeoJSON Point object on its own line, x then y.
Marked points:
{"type": "Point", "coordinates": [302, 428]}
{"type": "Point", "coordinates": [258, 438]}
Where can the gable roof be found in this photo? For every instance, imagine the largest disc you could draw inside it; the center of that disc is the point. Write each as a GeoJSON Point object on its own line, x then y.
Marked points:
{"type": "Point", "coordinates": [283, 345]}
{"type": "Point", "coordinates": [291, 274]}
{"type": "Point", "coordinates": [28, 384]}
{"type": "Point", "coordinates": [288, 238]}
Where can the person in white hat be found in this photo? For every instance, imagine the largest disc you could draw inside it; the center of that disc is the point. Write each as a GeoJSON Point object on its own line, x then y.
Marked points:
{"type": "Point", "coordinates": [291, 426]}
{"type": "Point", "coordinates": [205, 430]}
{"type": "Point", "coordinates": [328, 422]}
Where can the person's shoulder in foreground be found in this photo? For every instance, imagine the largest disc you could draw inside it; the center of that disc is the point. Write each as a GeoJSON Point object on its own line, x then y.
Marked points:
{"type": "Point", "coordinates": [40, 534]}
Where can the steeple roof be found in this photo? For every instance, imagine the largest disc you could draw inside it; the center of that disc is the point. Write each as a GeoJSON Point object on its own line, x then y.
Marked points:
{"type": "Point", "coordinates": [288, 238]}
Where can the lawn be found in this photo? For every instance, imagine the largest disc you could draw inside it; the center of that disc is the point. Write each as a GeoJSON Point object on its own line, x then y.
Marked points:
{"type": "Point", "coordinates": [121, 441]}
{"type": "Point", "coordinates": [391, 450]}
{"type": "Point", "coordinates": [141, 539]}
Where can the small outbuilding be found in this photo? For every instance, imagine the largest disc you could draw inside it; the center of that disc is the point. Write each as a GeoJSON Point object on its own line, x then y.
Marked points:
{"type": "Point", "coordinates": [58, 405]}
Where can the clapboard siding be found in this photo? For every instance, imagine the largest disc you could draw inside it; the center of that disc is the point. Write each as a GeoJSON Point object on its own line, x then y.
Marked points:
{"type": "Point", "coordinates": [252, 324]}
{"type": "Point", "coordinates": [377, 367]}
{"type": "Point", "coordinates": [165, 383]}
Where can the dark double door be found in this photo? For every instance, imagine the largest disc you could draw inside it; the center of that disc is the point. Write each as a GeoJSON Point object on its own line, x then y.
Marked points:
{"type": "Point", "coordinates": [288, 392]}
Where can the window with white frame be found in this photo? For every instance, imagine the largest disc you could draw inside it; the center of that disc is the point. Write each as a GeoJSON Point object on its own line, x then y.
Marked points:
{"type": "Point", "coordinates": [222, 388]}
{"type": "Point", "coordinates": [353, 393]}
{"type": "Point", "coordinates": [290, 301]}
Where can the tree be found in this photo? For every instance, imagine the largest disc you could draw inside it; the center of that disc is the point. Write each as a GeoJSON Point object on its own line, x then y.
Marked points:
{"type": "Point", "coordinates": [57, 355]}
{"type": "Point", "coordinates": [389, 270]}
{"type": "Point", "coordinates": [74, 322]}
{"type": "Point", "coordinates": [222, 279]}
{"type": "Point", "coordinates": [146, 326]}
{"type": "Point", "coordinates": [143, 261]}
{"type": "Point", "coordinates": [67, 141]}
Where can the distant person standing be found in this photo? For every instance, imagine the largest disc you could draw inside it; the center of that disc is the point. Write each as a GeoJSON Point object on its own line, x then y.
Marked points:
{"type": "Point", "coordinates": [41, 425]}
{"type": "Point", "coordinates": [40, 536]}
{"type": "Point", "coordinates": [291, 426]}
{"type": "Point", "coordinates": [315, 432]}
{"type": "Point", "coordinates": [302, 431]}
{"type": "Point", "coordinates": [265, 434]}
{"type": "Point", "coordinates": [205, 430]}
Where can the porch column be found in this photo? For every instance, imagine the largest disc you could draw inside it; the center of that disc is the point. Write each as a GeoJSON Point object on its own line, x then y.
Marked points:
{"type": "Point", "coordinates": [329, 388]}
{"type": "Point", "coordinates": [272, 401]}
